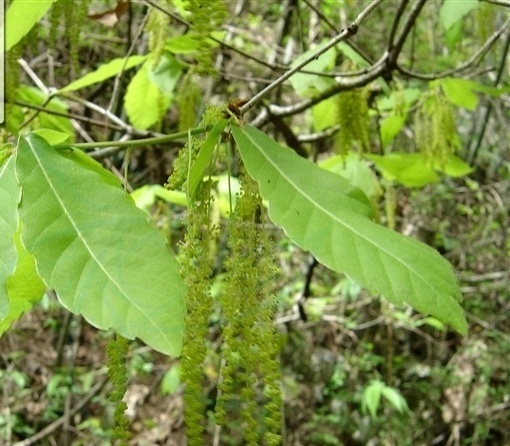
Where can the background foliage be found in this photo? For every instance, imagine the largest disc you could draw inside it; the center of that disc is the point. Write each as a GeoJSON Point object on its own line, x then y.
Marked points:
{"type": "Point", "coordinates": [412, 109]}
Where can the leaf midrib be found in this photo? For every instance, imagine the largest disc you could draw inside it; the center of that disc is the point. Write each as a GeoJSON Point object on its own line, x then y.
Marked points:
{"type": "Point", "coordinates": [85, 243]}
{"type": "Point", "coordinates": [334, 217]}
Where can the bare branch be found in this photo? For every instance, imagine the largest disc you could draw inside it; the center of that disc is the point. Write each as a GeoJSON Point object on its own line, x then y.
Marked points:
{"type": "Point", "coordinates": [464, 66]}
{"type": "Point", "coordinates": [346, 33]}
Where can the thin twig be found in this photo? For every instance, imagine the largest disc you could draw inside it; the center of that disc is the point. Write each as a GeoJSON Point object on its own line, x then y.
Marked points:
{"type": "Point", "coordinates": [465, 65]}
{"type": "Point", "coordinates": [346, 33]}
{"type": "Point", "coordinates": [134, 143]}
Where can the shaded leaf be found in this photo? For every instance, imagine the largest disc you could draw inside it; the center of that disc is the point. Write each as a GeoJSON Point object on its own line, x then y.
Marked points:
{"type": "Point", "coordinates": [323, 214]}
{"type": "Point", "coordinates": [97, 250]}
{"type": "Point", "coordinates": [10, 194]}
{"type": "Point", "coordinates": [25, 288]}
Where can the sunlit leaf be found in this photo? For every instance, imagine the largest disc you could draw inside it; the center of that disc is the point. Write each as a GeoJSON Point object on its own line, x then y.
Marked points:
{"type": "Point", "coordinates": [452, 11]}
{"type": "Point", "coordinates": [145, 102]}
{"type": "Point", "coordinates": [323, 214]}
{"type": "Point", "coordinates": [97, 250]}
{"type": "Point", "coordinates": [105, 71]}
{"type": "Point", "coordinates": [372, 397]}
{"type": "Point", "coordinates": [409, 169]}
{"type": "Point", "coordinates": [21, 17]}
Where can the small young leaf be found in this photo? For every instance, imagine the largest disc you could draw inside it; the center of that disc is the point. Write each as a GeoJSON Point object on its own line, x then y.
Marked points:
{"type": "Point", "coordinates": [372, 397]}
{"type": "Point", "coordinates": [322, 214]}
{"type": "Point", "coordinates": [144, 101]}
{"type": "Point", "coordinates": [204, 157]}
{"type": "Point", "coordinates": [97, 250]}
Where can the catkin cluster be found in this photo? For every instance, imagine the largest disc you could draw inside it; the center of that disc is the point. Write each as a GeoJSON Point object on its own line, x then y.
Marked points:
{"type": "Point", "coordinates": [250, 370]}
{"type": "Point", "coordinates": [206, 17]}
{"type": "Point", "coordinates": [435, 133]}
{"type": "Point", "coordinates": [354, 121]}
{"type": "Point", "coordinates": [158, 26]}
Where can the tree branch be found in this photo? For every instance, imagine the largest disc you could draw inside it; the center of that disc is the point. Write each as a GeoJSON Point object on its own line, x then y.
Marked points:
{"type": "Point", "coordinates": [346, 33]}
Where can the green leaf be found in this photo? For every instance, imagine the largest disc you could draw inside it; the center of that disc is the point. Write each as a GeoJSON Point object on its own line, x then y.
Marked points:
{"type": "Point", "coordinates": [104, 72]}
{"type": "Point", "coordinates": [460, 92]}
{"type": "Point", "coordinates": [455, 167]}
{"type": "Point", "coordinates": [355, 170]}
{"type": "Point", "coordinates": [322, 214]}
{"type": "Point", "coordinates": [183, 44]}
{"type": "Point", "coordinates": [11, 194]}
{"type": "Point", "coordinates": [394, 397]}
{"type": "Point", "coordinates": [204, 157]}
{"type": "Point", "coordinates": [390, 127]}
{"type": "Point", "coordinates": [47, 120]}
{"type": "Point", "coordinates": [97, 250]}
{"type": "Point", "coordinates": [454, 10]}
{"type": "Point", "coordinates": [166, 74]}
{"type": "Point", "coordinates": [308, 84]}
{"type": "Point", "coordinates": [86, 162]}
{"type": "Point", "coordinates": [145, 103]}
{"type": "Point", "coordinates": [372, 397]}
{"type": "Point", "coordinates": [409, 169]}
{"type": "Point", "coordinates": [25, 288]}
{"type": "Point", "coordinates": [325, 114]}
{"type": "Point", "coordinates": [53, 137]}
{"type": "Point", "coordinates": [171, 381]}
{"type": "Point", "coordinates": [145, 196]}
{"type": "Point", "coordinates": [353, 55]}
{"type": "Point", "coordinates": [21, 17]}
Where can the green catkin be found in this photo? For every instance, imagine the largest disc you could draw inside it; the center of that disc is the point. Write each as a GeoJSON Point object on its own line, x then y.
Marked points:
{"type": "Point", "coordinates": [158, 26]}
{"type": "Point", "coordinates": [196, 271]}
{"type": "Point", "coordinates": [250, 348]}
{"type": "Point", "coordinates": [435, 133]}
{"type": "Point", "coordinates": [117, 349]}
{"type": "Point", "coordinates": [74, 14]}
{"type": "Point", "coordinates": [55, 15]}
{"type": "Point", "coordinates": [188, 101]}
{"type": "Point", "coordinates": [205, 18]}
{"type": "Point", "coordinates": [353, 117]}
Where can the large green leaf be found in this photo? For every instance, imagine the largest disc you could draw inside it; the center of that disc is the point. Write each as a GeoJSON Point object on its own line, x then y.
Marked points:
{"type": "Point", "coordinates": [97, 250]}
{"type": "Point", "coordinates": [10, 194]}
{"type": "Point", "coordinates": [312, 207]}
